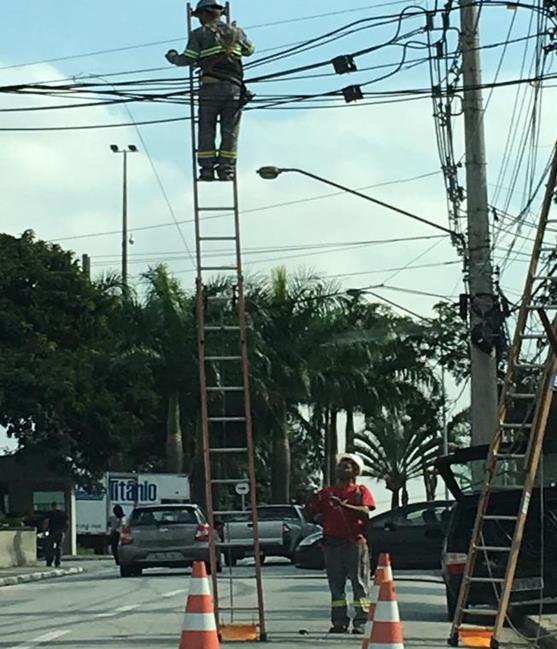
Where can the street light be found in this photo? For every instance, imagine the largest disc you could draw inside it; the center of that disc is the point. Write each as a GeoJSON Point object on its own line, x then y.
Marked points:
{"type": "Point", "coordinates": [272, 173]}
{"type": "Point", "coordinates": [131, 148]}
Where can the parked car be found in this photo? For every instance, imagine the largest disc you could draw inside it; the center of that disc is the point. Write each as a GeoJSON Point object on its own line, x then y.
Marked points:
{"type": "Point", "coordinates": [536, 574]}
{"type": "Point", "coordinates": [280, 527]}
{"type": "Point", "coordinates": [163, 536]}
{"type": "Point", "coordinates": [412, 535]}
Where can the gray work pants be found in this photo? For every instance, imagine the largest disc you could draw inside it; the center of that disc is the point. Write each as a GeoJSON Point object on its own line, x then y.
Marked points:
{"type": "Point", "coordinates": [346, 560]}
{"type": "Point", "coordinates": [219, 101]}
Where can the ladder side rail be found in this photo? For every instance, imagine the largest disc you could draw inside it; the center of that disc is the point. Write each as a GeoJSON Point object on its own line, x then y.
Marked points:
{"type": "Point", "coordinates": [475, 539]}
{"type": "Point", "coordinates": [200, 307]}
{"type": "Point", "coordinates": [541, 419]}
{"type": "Point", "coordinates": [496, 442]}
{"type": "Point", "coordinates": [529, 284]}
{"type": "Point", "coordinates": [248, 417]}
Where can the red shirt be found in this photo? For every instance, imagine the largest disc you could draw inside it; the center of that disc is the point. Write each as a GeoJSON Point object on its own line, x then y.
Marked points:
{"type": "Point", "coordinates": [339, 522]}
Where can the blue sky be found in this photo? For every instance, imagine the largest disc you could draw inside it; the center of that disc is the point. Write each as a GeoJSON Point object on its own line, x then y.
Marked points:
{"type": "Point", "coordinates": [66, 185]}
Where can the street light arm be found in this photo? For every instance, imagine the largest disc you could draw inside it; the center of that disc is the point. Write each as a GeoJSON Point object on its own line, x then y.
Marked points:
{"type": "Point", "coordinates": [388, 206]}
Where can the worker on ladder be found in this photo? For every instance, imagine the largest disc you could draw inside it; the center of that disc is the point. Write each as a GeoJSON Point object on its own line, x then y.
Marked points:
{"type": "Point", "coordinates": [217, 48]}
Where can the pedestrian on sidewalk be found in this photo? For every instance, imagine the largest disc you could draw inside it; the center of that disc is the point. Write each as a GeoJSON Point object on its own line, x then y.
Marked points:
{"type": "Point", "coordinates": [344, 509]}
{"type": "Point", "coordinates": [217, 49]}
{"type": "Point", "coordinates": [116, 521]}
{"type": "Point", "coordinates": [55, 524]}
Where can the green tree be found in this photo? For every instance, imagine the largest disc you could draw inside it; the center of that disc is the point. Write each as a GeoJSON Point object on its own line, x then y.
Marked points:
{"type": "Point", "coordinates": [65, 384]}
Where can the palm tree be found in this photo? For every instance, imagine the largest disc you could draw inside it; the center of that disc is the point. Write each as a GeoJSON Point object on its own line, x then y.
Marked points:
{"type": "Point", "coordinates": [397, 445]}
{"type": "Point", "coordinates": [168, 321]}
{"type": "Point", "coordinates": [287, 316]}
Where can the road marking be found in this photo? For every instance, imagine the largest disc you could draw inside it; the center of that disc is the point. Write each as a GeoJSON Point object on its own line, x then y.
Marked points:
{"type": "Point", "coordinates": [121, 609]}
{"type": "Point", "coordinates": [47, 637]}
{"type": "Point", "coordinates": [173, 593]}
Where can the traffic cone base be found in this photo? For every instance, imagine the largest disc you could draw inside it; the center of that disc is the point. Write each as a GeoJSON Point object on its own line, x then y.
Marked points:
{"type": "Point", "coordinates": [383, 574]}
{"type": "Point", "coordinates": [386, 630]}
{"type": "Point", "coordinates": [199, 628]}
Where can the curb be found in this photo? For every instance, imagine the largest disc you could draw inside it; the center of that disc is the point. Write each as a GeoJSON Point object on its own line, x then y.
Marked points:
{"type": "Point", "coordinates": [547, 630]}
{"type": "Point", "coordinates": [39, 576]}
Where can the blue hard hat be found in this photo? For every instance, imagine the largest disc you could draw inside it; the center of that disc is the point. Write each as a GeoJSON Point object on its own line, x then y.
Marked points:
{"type": "Point", "coordinates": [207, 5]}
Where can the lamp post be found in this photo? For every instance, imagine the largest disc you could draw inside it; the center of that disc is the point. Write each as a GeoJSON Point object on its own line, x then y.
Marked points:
{"type": "Point", "coordinates": [131, 148]}
{"type": "Point", "coordinates": [271, 173]}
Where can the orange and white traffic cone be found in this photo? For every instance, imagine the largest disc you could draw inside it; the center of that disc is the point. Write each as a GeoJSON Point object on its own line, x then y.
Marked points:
{"type": "Point", "coordinates": [386, 631]}
{"type": "Point", "coordinates": [199, 629]}
{"type": "Point", "coordinates": [383, 574]}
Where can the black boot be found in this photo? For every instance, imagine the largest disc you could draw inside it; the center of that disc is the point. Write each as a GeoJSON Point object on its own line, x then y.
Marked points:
{"type": "Point", "coordinates": [207, 174]}
{"type": "Point", "coordinates": [226, 174]}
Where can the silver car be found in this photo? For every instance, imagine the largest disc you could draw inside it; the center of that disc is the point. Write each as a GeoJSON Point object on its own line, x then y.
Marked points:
{"type": "Point", "coordinates": [163, 536]}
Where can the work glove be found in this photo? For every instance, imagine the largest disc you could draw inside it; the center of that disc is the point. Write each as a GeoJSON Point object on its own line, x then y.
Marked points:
{"type": "Point", "coordinates": [171, 56]}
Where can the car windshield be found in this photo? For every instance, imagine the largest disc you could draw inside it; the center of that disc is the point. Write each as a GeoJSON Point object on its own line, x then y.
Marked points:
{"type": "Point", "coordinates": [470, 475]}
{"type": "Point", "coordinates": [162, 516]}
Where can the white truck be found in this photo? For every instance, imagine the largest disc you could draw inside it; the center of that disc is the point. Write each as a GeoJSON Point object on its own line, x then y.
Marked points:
{"type": "Point", "coordinates": [127, 490]}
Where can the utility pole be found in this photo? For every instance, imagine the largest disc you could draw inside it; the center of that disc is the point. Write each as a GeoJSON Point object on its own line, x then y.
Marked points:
{"type": "Point", "coordinates": [86, 265]}
{"type": "Point", "coordinates": [130, 149]}
{"type": "Point", "coordinates": [484, 310]}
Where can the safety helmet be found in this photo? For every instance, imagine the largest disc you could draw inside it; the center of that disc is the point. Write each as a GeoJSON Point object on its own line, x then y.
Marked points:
{"type": "Point", "coordinates": [352, 457]}
{"type": "Point", "coordinates": [207, 5]}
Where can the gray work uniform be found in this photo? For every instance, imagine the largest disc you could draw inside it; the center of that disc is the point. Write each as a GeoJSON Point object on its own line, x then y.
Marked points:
{"type": "Point", "coordinates": [218, 49]}
{"type": "Point", "coordinates": [347, 560]}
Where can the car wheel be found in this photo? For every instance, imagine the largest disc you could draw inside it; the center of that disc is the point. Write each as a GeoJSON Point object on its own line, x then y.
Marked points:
{"type": "Point", "coordinates": [451, 604]}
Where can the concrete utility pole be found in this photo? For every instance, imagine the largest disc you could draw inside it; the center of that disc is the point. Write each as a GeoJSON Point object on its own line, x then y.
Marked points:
{"type": "Point", "coordinates": [86, 265]}
{"type": "Point", "coordinates": [130, 149]}
{"type": "Point", "coordinates": [483, 303]}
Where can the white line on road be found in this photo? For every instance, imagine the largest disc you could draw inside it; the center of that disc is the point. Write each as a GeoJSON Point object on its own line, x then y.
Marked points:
{"type": "Point", "coordinates": [42, 639]}
{"type": "Point", "coordinates": [122, 609]}
{"type": "Point", "coordinates": [173, 593]}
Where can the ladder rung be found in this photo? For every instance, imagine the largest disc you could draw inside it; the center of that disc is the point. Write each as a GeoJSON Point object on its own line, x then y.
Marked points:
{"type": "Point", "coordinates": [221, 328]}
{"type": "Point", "coordinates": [223, 358]}
{"type": "Point", "coordinates": [228, 450]}
{"type": "Point", "coordinates": [531, 366]}
{"type": "Point", "coordinates": [510, 456]}
{"type": "Point", "coordinates": [533, 336]}
{"type": "Point", "coordinates": [213, 268]}
{"type": "Point", "coordinates": [491, 548]}
{"type": "Point", "coordinates": [229, 480]}
{"type": "Point", "coordinates": [217, 238]}
{"type": "Point", "coordinates": [485, 580]}
{"type": "Point", "coordinates": [521, 395]}
{"type": "Point", "coordinates": [216, 388]}
{"type": "Point", "coordinates": [516, 426]}
{"type": "Point", "coordinates": [535, 307]}
{"type": "Point", "coordinates": [490, 612]}
{"type": "Point", "coordinates": [541, 278]}
{"type": "Point", "coordinates": [495, 517]}
{"type": "Point", "coordinates": [225, 512]}
{"type": "Point", "coordinates": [506, 487]}
{"type": "Point", "coordinates": [225, 419]}
{"type": "Point", "coordinates": [216, 209]}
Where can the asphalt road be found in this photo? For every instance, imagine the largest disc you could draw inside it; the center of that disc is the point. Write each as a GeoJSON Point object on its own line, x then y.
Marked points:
{"type": "Point", "coordinates": [98, 609]}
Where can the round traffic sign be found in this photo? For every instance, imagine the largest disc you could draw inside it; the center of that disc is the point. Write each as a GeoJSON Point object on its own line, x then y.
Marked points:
{"type": "Point", "coordinates": [242, 488]}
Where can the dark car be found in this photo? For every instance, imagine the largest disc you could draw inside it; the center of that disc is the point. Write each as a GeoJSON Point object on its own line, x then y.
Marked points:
{"type": "Point", "coordinates": [412, 535]}
{"type": "Point", "coordinates": [536, 574]}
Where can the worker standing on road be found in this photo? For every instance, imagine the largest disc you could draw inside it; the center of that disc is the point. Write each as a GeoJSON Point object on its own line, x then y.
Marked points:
{"type": "Point", "coordinates": [345, 509]}
{"type": "Point", "coordinates": [116, 521]}
{"type": "Point", "coordinates": [56, 524]}
{"type": "Point", "coordinates": [217, 48]}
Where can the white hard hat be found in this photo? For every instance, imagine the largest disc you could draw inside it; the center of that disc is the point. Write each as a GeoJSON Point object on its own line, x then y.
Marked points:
{"type": "Point", "coordinates": [353, 458]}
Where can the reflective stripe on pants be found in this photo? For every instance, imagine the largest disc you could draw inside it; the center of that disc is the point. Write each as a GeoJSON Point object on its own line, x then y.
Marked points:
{"type": "Point", "coordinates": [219, 101]}
{"type": "Point", "coordinates": [343, 562]}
